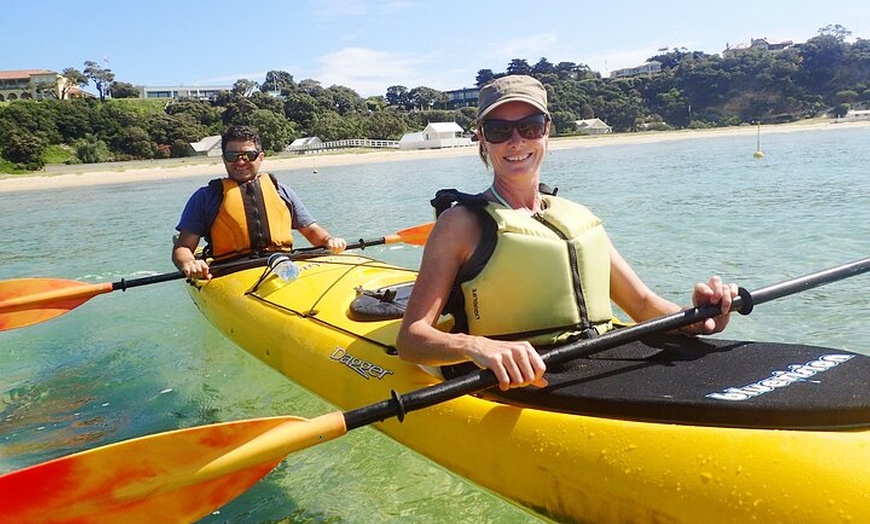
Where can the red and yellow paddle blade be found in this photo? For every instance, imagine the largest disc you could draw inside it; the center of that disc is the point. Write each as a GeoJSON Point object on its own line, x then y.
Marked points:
{"type": "Point", "coordinates": [416, 235]}
{"type": "Point", "coordinates": [177, 476]}
{"type": "Point", "coordinates": [29, 301]}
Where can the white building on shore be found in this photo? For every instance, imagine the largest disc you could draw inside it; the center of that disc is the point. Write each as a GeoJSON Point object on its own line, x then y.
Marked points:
{"type": "Point", "coordinates": [436, 135]}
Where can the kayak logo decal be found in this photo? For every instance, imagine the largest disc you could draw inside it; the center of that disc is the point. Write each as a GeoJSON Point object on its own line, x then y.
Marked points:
{"type": "Point", "coordinates": [364, 368]}
{"type": "Point", "coordinates": [781, 379]}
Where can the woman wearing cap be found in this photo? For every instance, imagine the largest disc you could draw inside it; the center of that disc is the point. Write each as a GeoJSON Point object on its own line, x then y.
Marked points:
{"type": "Point", "coordinates": [517, 266]}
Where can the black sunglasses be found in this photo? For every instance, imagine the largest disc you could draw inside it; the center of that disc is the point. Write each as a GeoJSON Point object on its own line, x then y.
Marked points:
{"type": "Point", "coordinates": [496, 131]}
{"type": "Point", "coordinates": [233, 156]}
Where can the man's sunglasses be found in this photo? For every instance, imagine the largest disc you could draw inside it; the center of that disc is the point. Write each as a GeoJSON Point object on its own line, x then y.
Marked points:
{"type": "Point", "coordinates": [233, 156]}
{"type": "Point", "coordinates": [496, 131]}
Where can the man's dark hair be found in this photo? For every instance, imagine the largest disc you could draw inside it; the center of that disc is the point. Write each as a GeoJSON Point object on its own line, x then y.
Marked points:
{"type": "Point", "coordinates": [241, 133]}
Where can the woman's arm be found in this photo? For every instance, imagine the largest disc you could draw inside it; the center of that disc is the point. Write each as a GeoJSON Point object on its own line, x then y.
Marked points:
{"type": "Point", "coordinates": [451, 243]}
{"type": "Point", "coordinates": [631, 294]}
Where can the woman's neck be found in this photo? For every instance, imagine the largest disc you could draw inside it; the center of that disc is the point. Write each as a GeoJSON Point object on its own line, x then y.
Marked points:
{"type": "Point", "coordinates": [527, 198]}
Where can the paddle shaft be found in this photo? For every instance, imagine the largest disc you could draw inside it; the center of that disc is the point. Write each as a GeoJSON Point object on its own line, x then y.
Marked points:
{"type": "Point", "coordinates": [223, 269]}
{"type": "Point", "coordinates": [399, 405]}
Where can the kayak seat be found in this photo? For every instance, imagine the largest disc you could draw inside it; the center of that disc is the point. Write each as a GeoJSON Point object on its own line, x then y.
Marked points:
{"type": "Point", "coordinates": [386, 303]}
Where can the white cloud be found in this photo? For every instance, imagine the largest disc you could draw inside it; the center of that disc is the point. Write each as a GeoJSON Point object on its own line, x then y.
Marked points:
{"type": "Point", "coordinates": [366, 71]}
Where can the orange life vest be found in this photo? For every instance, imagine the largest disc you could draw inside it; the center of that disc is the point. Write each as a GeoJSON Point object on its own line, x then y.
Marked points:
{"type": "Point", "coordinates": [252, 219]}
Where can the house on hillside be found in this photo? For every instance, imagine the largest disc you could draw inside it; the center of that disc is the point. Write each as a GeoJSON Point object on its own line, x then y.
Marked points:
{"type": "Point", "coordinates": [762, 44]}
{"type": "Point", "coordinates": [650, 68]}
{"type": "Point", "coordinates": [436, 135]}
{"type": "Point", "coordinates": [208, 146]}
{"type": "Point", "coordinates": [176, 92]}
{"type": "Point", "coordinates": [593, 126]}
{"type": "Point", "coordinates": [465, 97]}
{"type": "Point", "coordinates": [36, 84]}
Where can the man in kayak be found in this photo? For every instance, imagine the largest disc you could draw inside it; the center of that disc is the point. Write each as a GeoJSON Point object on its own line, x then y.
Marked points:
{"type": "Point", "coordinates": [245, 213]}
{"type": "Point", "coordinates": [516, 265]}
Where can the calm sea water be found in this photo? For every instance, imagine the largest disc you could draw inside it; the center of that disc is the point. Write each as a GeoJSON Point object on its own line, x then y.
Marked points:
{"type": "Point", "coordinates": [145, 361]}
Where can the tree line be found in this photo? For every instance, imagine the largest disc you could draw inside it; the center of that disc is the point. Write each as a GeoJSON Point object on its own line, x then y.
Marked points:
{"type": "Point", "coordinates": [694, 89]}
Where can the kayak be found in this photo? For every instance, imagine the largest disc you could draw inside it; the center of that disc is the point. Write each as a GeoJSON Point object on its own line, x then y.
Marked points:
{"type": "Point", "coordinates": [667, 429]}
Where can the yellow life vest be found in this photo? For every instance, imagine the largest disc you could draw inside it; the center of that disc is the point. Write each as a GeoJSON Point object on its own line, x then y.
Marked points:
{"type": "Point", "coordinates": [253, 218]}
{"type": "Point", "coordinates": [547, 279]}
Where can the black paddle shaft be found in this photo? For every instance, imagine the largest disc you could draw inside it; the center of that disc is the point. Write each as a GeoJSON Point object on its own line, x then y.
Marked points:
{"type": "Point", "coordinates": [399, 405]}
{"type": "Point", "coordinates": [239, 265]}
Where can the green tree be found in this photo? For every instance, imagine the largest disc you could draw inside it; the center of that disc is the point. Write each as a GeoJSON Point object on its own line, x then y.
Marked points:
{"type": "Point", "coordinates": [165, 129]}
{"type": "Point", "coordinates": [342, 100]}
{"type": "Point", "coordinates": [424, 98]}
{"type": "Point", "coordinates": [375, 103]}
{"type": "Point", "coordinates": [519, 66]}
{"type": "Point", "coordinates": [302, 109]}
{"type": "Point", "coordinates": [820, 55]}
{"type": "Point", "coordinates": [244, 87]}
{"type": "Point", "coordinates": [837, 31]}
{"type": "Point", "coordinates": [563, 122]}
{"type": "Point", "coordinates": [92, 150]}
{"type": "Point", "coordinates": [134, 143]}
{"type": "Point", "coordinates": [566, 70]}
{"type": "Point", "coordinates": [123, 90]}
{"type": "Point", "coordinates": [329, 125]}
{"type": "Point", "coordinates": [34, 117]}
{"type": "Point", "coordinates": [72, 118]}
{"type": "Point", "coordinates": [100, 76]}
{"type": "Point", "coordinates": [543, 67]}
{"type": "Point", "coordinates": [73, 78]}
{"type": "Point", "coordinates": [276, 132]}
{"type": "Point", "coordinates": [237, 110]}
{"type": "Point", "coordinates": [484, 76]}
{"type": "Point", "coordinates": [24, 149]}
{"type": "Point", "coordinates": [384, 125]}
{"type": "Point", "coordinates": [278, 82]}
{"type": "Point", "coordinates": [264, 100]}
{"type": "Point", "coordinates": [311, 87]}
{"type": "Point", "coordinates": [397, 96]}
{"type": "Point", "coordinates": [196, 111]}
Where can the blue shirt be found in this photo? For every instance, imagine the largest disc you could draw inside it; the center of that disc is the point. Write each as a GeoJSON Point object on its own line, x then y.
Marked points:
{"type": "Point", "coordinates": [203, 205]}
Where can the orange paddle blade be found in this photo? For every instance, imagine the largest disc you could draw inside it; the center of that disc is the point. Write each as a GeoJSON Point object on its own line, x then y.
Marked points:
{"type": "Point", "coordinates": [28, 301]}
{"type": "Point", "coordinates": [177, 476]}
{"type": "Point", "coordinates": [416, 235]}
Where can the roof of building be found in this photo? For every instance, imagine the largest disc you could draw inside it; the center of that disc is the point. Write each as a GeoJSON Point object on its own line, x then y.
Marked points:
{"type": "Point", "coordinates": [444, 127]}
{"type": "Point", "coordinates": [23, 73]}
{"type": "Point", "coordinates": [308, 140]}
{"type": "Point", "coordinates": [207, 143]}
{"type": "Point", "coordinates": [591, 122]}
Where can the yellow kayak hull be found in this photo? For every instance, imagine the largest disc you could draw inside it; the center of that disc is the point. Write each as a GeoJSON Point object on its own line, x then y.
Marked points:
{"type": "Point", "coordinates": [570, 467]}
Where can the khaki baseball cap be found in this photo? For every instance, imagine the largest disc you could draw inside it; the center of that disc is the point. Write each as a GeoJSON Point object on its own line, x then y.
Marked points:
{"type": "Point", "coordinates": [520, 88]}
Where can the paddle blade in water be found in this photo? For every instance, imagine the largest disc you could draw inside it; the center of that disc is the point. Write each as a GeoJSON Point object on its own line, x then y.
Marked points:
{"type": "Point", "coordinates": [29, 301]}
{"type": "Point", "coordinates": [177, 476]}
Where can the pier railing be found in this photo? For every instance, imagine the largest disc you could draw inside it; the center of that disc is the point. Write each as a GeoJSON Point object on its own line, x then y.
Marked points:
{"type": "Point", "coordinates": [345, 144]}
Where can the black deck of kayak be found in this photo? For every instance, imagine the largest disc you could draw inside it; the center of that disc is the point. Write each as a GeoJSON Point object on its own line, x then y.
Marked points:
{"type": "Point", "coordinates": [711, 382]}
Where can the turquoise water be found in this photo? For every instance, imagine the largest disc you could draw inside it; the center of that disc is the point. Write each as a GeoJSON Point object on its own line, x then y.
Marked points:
{"type": "Point", "coordinates": [145, 361]}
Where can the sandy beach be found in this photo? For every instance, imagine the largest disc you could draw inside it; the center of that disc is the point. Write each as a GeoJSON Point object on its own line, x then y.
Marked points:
{"type": "Point", "coordinates": [137, 171]}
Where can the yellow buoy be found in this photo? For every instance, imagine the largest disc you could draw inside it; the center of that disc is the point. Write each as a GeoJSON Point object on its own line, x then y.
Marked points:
{"type": "Point", "coordinates": [758, 154]}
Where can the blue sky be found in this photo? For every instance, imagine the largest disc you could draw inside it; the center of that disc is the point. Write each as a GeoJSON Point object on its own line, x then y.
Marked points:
{"type": "Point", "coordinates": [370, 45]}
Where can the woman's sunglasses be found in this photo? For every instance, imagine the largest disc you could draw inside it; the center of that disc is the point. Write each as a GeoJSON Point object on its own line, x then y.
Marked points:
{"type": "Point", "coordinates": [233, 156]}
{"type": "Point", "coordinates": [496, 131]}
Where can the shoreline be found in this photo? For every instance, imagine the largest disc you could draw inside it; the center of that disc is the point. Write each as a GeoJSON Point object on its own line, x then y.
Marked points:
{"type": "Point", "coordinates": [154, 170]}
